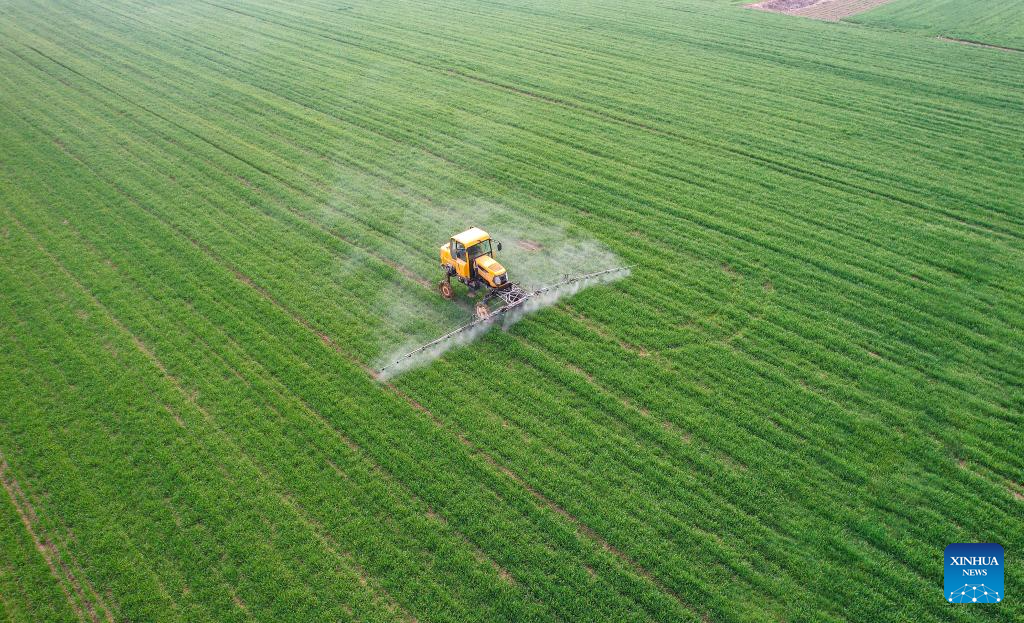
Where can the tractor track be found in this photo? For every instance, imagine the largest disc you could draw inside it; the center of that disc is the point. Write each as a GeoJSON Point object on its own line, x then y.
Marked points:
{"type": "Point", "coordinates": [86, 604]}
{"type": "Point", "coordinates": [423, 282]}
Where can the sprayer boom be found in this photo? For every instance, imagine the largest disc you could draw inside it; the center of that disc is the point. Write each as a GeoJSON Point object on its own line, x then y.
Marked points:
{"type": "Point", "coordinates": [511, 296]}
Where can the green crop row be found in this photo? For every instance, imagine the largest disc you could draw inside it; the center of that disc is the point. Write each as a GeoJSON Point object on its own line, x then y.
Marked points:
{"type": "Point", "coordinates": [230, 210]}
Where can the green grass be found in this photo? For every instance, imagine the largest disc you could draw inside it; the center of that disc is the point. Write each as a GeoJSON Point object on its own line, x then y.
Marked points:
{"type": "Point", "coordinates": [981, 21]}
{"type": "Point", "coordinates": [209, 212]}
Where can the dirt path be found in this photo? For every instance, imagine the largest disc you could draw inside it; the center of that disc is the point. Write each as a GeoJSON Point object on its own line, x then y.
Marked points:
{"type": "Point", "coordinates": [827, 10]}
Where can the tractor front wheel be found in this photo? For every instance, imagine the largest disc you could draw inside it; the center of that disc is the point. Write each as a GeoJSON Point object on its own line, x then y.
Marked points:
{"type": "Point", "coordinates": [445, 287]}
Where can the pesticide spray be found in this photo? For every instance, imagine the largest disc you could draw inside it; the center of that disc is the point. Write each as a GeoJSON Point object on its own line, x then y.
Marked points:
{"type": "Point", "coordinates": [538, 299]}
{"type": "Point", "coordinates": [538, 249]}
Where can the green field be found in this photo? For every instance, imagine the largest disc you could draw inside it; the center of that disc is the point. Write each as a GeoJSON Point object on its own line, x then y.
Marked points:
{"type": "Point", "coordinates": [217, 217]}
{"type": "Point", "coordinates": [990, 22]}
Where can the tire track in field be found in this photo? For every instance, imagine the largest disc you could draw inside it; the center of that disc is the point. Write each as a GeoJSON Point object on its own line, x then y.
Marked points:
{"type": "Point", "coordinates": [352, 163]}
{"type": "Point", "coordinates": [461, 436]}
{"type": "Point", "coordinates": [87, 605]}
{"type": "Point", "coordinates": [958, 220]}
{"type": "Point", "coordinates": [74, 281]}
{"type": "Point", "coordinates": [867, 400]}
{"type": "Point", "coordinates": [664, 450]}
{"type": "Point", "coordinates": [656, 173]}
{"type": "Point", "coordinates": [398, 267]}
{"type": "Point", "coordinates": [901, 369]}
{"type": "Point", "coordinates": [504, 573]}
{"type": "Point", "coordinates": [621, 53]}
{"type": "Point", "coordinates": [403, 270]}
{"type": "Point", "coordinates": [325, 339]}
{"type": "Point", "coordinates": [312, 525]}
{"type": "Point", "coordinates": [365, 579]}
{"type": "Point", "coordinates": [307, 194]}
{"type": "Point", "coordinates": [70, 541]}
{"type": "Point", "coordinates": [471, 448]}
{"type": "Point", "coordinates": [382, 472]}
{"type": "Point", "coordinates": [626, 432]}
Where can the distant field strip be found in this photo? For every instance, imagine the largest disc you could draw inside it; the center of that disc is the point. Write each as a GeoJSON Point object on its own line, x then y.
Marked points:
{"type": "Point", "coordinates": [828, 10]}
{"type": "Point", "coordinates": [998, 24]}
{"type": "Point", "coordinates": [216, 216]}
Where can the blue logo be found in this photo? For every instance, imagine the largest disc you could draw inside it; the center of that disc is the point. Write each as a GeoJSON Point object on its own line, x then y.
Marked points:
{"type": "Point", "coordinates": [974, 573]}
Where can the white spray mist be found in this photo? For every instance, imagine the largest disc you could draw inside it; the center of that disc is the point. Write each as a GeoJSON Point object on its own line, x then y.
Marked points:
{"type": "Point", "coordinates": [399, 361]}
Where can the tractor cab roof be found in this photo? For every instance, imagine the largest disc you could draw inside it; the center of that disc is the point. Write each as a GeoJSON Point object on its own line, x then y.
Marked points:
{"type": "Point", "coordinates": [471, 236]}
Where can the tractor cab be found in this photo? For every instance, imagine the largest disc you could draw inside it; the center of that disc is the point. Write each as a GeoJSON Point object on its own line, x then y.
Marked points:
{"type": "Point", "coordinates": [469, 257]}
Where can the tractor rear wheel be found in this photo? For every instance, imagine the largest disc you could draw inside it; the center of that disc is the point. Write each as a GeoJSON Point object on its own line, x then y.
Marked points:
{"type": "Point", "coordinates": [481, 311]}
{"type": "Point", "coordinates": [446, 290]}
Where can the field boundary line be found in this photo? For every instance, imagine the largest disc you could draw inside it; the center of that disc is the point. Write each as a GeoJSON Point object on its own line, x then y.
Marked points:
{"type": "Point", "coordinates": [978, 44]}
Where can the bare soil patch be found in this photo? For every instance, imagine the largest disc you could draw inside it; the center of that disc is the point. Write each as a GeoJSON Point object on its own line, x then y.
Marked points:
{"type": "Point", "coordinates": [528, 245]}
{"type": "Point", "coordinates": [827, 10]}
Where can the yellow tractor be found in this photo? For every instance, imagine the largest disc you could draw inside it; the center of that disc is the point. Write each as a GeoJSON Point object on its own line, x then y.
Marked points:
{"type": "Point", "coordinates": [469, 257]}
